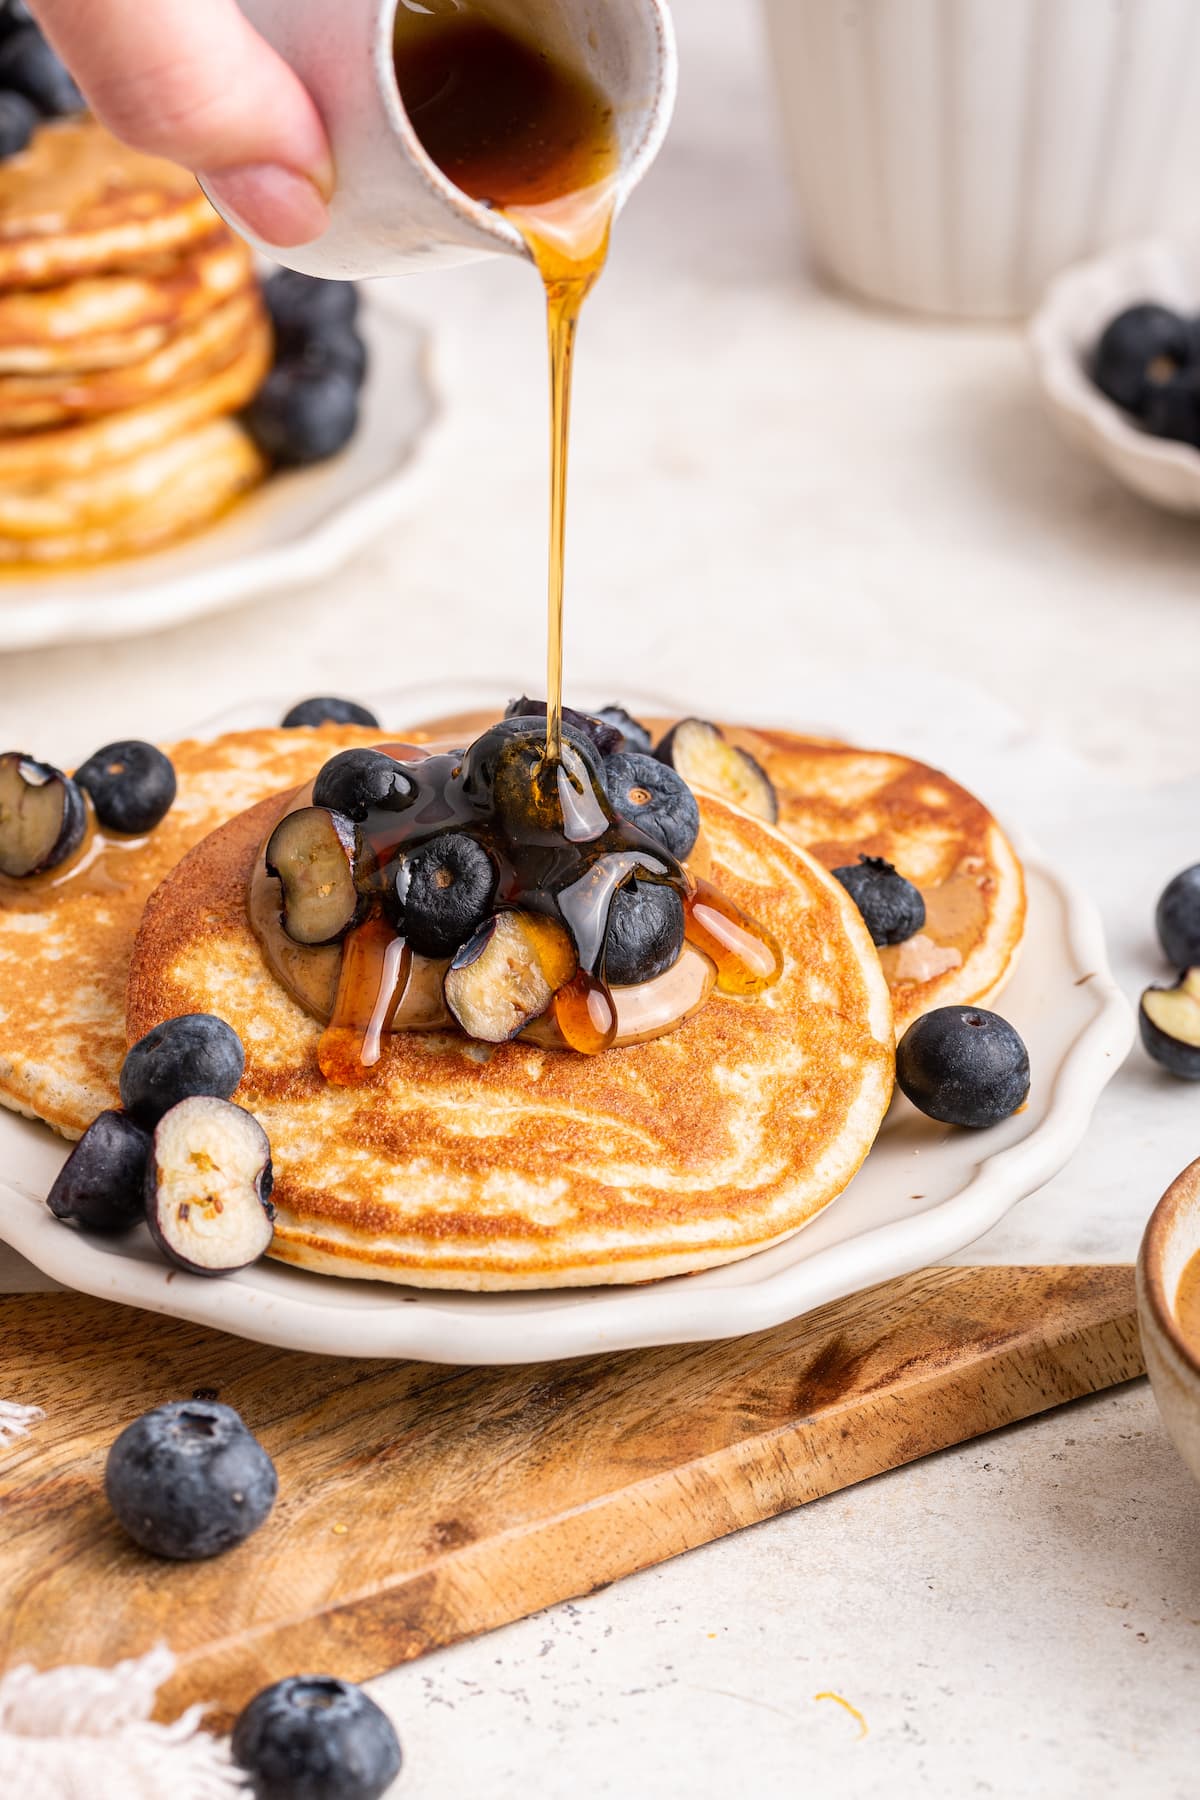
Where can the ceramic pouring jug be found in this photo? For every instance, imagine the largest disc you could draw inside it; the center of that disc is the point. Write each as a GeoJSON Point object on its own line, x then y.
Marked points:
{"type": "Point", "coordinates": [393, 211]}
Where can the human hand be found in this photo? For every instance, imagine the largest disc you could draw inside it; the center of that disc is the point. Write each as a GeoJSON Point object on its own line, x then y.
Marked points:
{"type": "Point", "coordinates": [196, 83]}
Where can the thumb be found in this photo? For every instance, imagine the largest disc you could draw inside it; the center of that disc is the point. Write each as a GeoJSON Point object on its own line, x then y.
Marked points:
{"type": "Point", "coordinates": [197, 84]}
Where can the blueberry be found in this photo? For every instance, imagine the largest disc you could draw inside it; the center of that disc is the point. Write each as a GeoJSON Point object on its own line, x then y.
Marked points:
{"type": "Point", "coordinates": [606, 737]}
{"type": "Point", "coordinates": [649, 794]}
{"type": "Point", "coordinates": [1171, 408]}
{"type": "Point", "coordinates": [1143, 347]}
{"type": "Point", "coordinates": [313, 1737]}
{"type": "Point", "coordinates": [1178, 919]}
{"type": "Point", "coordinates": [194, 1054]}
{"type": "Point", "coordinates": [443, 892]}
{"type": "Point", "coordinates": [14, 13]}
{"type": "Point", "coordinates": [892, 908]}
{"type": "Point", "coordinates": [30, 67]}
{"type": "Point", "coordinates": [963, 1066]}
{"type": "Point", "coordinates": [358, 782]}
{"type": "Point", "coordinates": [43, 818]}
{"type": "Point", "coordinates": [334, 349]}
{"type": "Point", "coordinates": [700, 752]}
{"type": "Point", "coordinates": [208, 1187]}
{"type": "Point", "coordinates": [315, 855]}
{"type": "Point", "coordinates": [18, 121]}
{"type": "Point", "coordinates": [100, 1185]}
{"type": "Point", "coordinates": [635, 736]}
{"type": "Point", "coordinates": [645, 933]}
{"type": "Point", "coordinates": [132, 785]}
{"type": "Point", "coordinates": [326, 709]}
{"type": "Point", "coordinates": [301, 416]}
{"type": "Point", "coordinates": [506, 770]}
{"type": "Point", "coordinates": [188, 1480]}
{"type": "Point", "coordinates": [306, 302]}
{"type": "Point", "coordinates": [1169, 1020]}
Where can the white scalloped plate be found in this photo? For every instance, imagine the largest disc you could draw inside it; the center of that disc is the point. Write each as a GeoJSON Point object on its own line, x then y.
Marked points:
{"type": "Point", "coordinates": [924, 1192]}
{"type": "Point", "coordinates": [1063, 333]}
{"type": "Point", "coordinates": [299, 527]}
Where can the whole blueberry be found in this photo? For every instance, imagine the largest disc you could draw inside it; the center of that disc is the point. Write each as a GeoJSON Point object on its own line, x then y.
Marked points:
{"type": "Point", "coordinates": [188, 1480]}
{"type": "Point", "coordinates": [1171, 408]}
{"type": "Point", "coordinates": [100, 1185]}
{"type": "Point", "coordinates": [301, 416]}
{"type": "Point", "coordinates": [635, 736]}
{"type": "Point", "coordinates": [650, 795]}
{"type": "Point", "coordinates": [330, 349]}
{"type": "Point", "coordinates": [1178, 919]}
{"type": "Point", "coordinates": [1144, 347]}
{"type": "Point", "coordinates": [18, 121]}
{"type": "Point", "coordinates": [29, 66]}
{"type": "Point", "coordinates": [313, 1737]}
{"type": "Point", "coordinates": [306, 302]}
{"type": "Point", "coordinates": [14, 13]}
{"type": "Point", "coordinates": [194, 1054]}
{"type": "Point", "coordinates": [963, 1066]}
{"type": "Point", "coordinates": [645, 933]}
{"type": "Point", "coordinates": [358, 782]}
{"type": "Point", "coordinates": [892, 908]}
{"type": "Point", "coordinates": [443, 892]}
{"type": "Point", "coordinates": [132, 785]}
{"type": "Point", "coordinates": [327, 709]}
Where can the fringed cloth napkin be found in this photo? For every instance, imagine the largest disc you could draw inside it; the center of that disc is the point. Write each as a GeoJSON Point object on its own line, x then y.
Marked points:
{"type": "Point", "coordinates": [87, 1734]}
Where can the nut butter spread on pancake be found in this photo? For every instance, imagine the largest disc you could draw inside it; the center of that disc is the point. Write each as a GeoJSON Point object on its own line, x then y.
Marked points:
{"type": "Point", "coordinates": [65, 942]}
{"type": "Point", "coordinates": [841, 803]}
{"type": "Point", "coordinates": [76, 202]}
{"type": "Point", "coordinates": [457, 1164]}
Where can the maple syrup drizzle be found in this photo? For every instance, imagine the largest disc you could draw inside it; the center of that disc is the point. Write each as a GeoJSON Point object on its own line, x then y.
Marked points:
{"type": "Point", "coordinates": [517, 129]}
{"type": "Point", "coordinates": [748, 959]}
{"type": "Point", "coordinates": [375, 970]}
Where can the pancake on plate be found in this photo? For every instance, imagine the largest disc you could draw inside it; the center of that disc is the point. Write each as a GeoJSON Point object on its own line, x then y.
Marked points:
{"type": "Point", "coordinates": [76, 201]}
{"type": "Point", "coordinates": [463, 1165]}
{"type": "Point", "coordinates": [65, 942]}
{"type": "Point", "coordinates": [841, 803]}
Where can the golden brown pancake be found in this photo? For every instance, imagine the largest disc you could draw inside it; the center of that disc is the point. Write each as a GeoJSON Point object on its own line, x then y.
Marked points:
{"type": "Point", "coordinates": [109, 321]}
{"type": "Point", "coordinates": [463, 1165]}
{"type": "Point", "coordinates": [201, 349]}
{"type": "Point", "coordinates": [66, 941]}
{"type": "Point", "coordinates": [31, 460]}
{"type": "Point", "coordinates": [139, 505]}
{"type": "Point", "coordinates": [841, 803]}
{"type": "Point", "coordinates": [77, 202]}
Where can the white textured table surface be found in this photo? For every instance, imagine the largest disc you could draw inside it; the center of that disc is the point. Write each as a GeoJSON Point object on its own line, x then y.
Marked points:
{"type": "Point", "coordinates": [769, 483]}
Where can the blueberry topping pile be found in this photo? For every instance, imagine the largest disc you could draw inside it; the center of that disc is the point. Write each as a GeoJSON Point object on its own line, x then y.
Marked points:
{"type": "Point", "coordinates": [179, 1155]}
{"type": "Point", "coordinates": [43, 815]}
{"type": "Point", "coordinates": [34, 81]}
{"type": "Point", "coordinates": [963, 1066]}
{"type": "Point", "coordinates": [313, 1737]}
{"type": "Point", "coordinates": [1169, 1017]}
{"type": "Point", "coordinates": [327, 709]}
{"type": "Point", "coordinates": [188, 1480]}
{"type": "Point", "coordinates": [308, 407]}
{"type": "Point", "coordinates": [892, 908]}
{"type": "Point", "coordinates": [1148, 362]}
{"type": "Point", "coordinates": [132, 785]}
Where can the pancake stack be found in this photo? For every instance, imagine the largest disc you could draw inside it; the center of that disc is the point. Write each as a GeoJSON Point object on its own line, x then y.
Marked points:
{"type": "Point", "coordinates": [132, 331]}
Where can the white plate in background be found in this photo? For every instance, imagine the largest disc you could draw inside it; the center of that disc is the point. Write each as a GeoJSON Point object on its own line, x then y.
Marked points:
{"type": "Point", "coordinates": [299, 527]}
{"type": "Point", "coordinates": [925, 1191]}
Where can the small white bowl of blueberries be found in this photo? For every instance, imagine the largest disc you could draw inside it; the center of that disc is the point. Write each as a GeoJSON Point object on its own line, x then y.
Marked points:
{"type": "Point", "coordinates": [1116, 345]}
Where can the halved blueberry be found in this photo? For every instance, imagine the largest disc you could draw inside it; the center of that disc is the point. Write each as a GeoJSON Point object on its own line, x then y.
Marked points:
{"type": "Point", "coordinates": [645, 933]}
{"type": "Point", "coordinates": [42, 817]}
{"type": "Point", "coordinates": [1169, 1021]}
{"type": "Point", "coordinates": [892, 908]}
{"type": "Point", "coordinates": [208, 1187]}
{"type": "Point", "coordinates": [650, 795]}
{"type": "Point", "coordinates": [313, 852]}
{"type": "Point", "coordinates": [701, 753]}
{"type": "Point", "coordinates": [313, 1737]}
{"type": "Point", "coordinates": [442, 894]}
{"type": "Point", "coordinates": [328, 709]}
{"type": "Point", "coordinates": [101, 1185]}
{"type": "Point", "coordinates": [358, 782]}
{"type": "Point", "coordinates": [188, 1480]}
{"type": "Point", "coordinates": [507, 974]}
{"type": "Point", "coordinates": [132, 785]}
{"type": "Point", "coordinates": [963, 1066]}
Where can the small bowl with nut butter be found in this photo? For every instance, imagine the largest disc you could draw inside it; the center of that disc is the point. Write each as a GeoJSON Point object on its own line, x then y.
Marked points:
{"type": "Point", "coordinates": [1168, 1302]}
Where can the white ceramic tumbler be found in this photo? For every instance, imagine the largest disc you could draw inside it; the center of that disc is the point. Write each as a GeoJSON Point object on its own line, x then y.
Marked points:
{"type": "Point", "coordinates": [953, 155]}
{"type": "Point", "coordinates": [393, 211]}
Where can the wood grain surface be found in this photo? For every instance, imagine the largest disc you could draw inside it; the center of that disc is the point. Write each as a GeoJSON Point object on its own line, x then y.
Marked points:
{"type": "Point", "coordinates": [419, 1505]}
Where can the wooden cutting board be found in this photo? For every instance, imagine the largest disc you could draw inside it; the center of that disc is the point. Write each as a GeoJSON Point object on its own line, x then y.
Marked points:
{"type": "Point", "coordinates": [419, 1505]}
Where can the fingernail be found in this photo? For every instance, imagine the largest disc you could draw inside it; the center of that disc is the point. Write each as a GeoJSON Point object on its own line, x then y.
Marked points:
{"type": "Point", "coordinates": [279, 205]}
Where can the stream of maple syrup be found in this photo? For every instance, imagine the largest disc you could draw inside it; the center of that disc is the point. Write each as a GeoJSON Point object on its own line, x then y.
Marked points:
{"type": "Point", "coordinates": [517, 129]}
